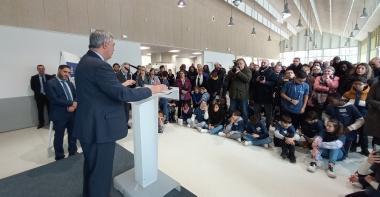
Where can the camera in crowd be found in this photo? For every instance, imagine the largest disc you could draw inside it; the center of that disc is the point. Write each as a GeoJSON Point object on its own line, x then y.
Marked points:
{"type": "Point", "coordinates": [261, 78]}
{"type": "Point", "coordinates": [235, 67]}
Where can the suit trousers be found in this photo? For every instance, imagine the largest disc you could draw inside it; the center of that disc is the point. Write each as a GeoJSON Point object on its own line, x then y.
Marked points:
{"type": "Point", "coordinates": [97, 169]}
{"type": "Point", "coordinates": [59, 128]}
{"type": "Point", "coordinates": [41, 101]}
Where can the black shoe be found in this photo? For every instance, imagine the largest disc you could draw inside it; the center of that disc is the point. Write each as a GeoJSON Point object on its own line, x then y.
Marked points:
{"type": "Point", "coordinates": [59, 158]}
{"type": "Point", "coordinates": [284, 155]}
{"type": "Point", "coordinates": [292, 159]}
{"type": "Point", "coordinates": [365, 152]}
{"type": "Point", "coordinates": [73, 153]}
{"type": "Point", "coordinates": [40, 126]}
{"type": "Point", "coordinates": [166, 122]}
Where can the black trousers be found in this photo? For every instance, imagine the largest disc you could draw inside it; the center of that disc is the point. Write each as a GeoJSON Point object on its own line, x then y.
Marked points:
{"type": "Point", "coordinates": [97, 169]}
{"type": "Point", "coordinates": [59, 128]}
{"type": "Point", "coordinates": [41, 101]}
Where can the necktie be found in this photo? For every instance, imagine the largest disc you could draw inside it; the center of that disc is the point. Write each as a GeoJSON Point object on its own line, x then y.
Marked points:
{"type": "Point", "coordinates": [66, 90]}
{"type": "Point", "coordinates": [42, 84]}
{"type": "Point", "coordinates": [199, 81]}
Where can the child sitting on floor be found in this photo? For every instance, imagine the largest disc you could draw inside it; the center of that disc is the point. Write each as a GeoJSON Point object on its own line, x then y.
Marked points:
{"type": "Point", "coordinates": [200, 117]}
{"type": "Point", "coordinates": [256, 132]}
{"type": "Point", "coordinates": [216, 119]}
{"type": "Point", "coordinates": [328, 144]}
{"type": "Point", "coordinates": [186, 115]}
{"type": "Point", "coordinates": [285, 138]}
{"type": "Point", "coordinates": [235, 127]}
{"type": "Point", "coordinates": [310, 127]}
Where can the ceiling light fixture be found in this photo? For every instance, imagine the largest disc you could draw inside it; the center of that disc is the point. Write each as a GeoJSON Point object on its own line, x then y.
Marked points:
{"type": "Point", "coordinates": [286, 13]}
{"type": "Point", "coordinates": [237, 2]}
{"type": "Point", "coordinates": [144, 48]}
{"type": "Point", "coordinates": [253, 32]}
{"type": "Point", "coordinates": [231, 23]}
{"type": "Point", "coordinates": [364, 13]}
{"type": "Point", "coordinates": [356, 25]}
{"type": "Point", "coordinates": [197, 53]}
{"type": "Point", "coordinates": [299, 24]}
{"type": "Point", "coordinates": [174, 51]}
{"type": "Point", "coordinates": [181, 4]}
{"type": "Point", "coordinates": [270, 21]}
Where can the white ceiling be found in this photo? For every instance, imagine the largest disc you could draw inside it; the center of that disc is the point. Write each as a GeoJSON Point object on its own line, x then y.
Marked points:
{"type": "Point", "coordinates": [183, 53]}
{"type": "Point", "coordinates": [344, 14]}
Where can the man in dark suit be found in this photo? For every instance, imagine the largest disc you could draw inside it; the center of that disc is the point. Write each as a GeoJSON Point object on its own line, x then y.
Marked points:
{"type": "Point", "coordinates": [38, 85]}
{"type": "Point", "coordinates": [101, 118]}
{"type": "Point", "coordinates": [62, 97]}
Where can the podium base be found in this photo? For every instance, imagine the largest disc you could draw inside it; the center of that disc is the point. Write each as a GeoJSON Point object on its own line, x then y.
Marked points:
{"type": "Point", "coordinates": [125, 183]}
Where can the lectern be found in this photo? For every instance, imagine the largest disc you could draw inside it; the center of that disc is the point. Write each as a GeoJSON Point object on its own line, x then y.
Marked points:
{"type": "Point", "coordinates": [145, 180]}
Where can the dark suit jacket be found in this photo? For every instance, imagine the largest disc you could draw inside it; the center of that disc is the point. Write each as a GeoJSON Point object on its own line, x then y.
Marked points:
{"type": "Point", "coordinates": [35, 83]}
{"type": "Point", "coordinates": [58, 100]}
{"type": "Point", "coordinates": [101, 115]}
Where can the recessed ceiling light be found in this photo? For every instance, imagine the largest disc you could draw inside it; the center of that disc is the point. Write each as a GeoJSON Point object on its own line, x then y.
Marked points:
{"type": "Point", "coordinates": [197, 53]}
{"type": "Point", "coordinates": [124, 36]}
{"type": "Point", "coordinates": [144, 48]}
{"type": "Point", "coordinates": [174, 51]}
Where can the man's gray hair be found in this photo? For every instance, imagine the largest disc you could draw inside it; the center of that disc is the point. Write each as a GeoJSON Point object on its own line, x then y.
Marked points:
{"type": "Point", "coordinates": [99, 37]}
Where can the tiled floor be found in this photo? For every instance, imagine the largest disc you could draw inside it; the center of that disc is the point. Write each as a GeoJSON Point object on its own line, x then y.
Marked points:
{"type": "Point", "coordinates": [207, 165]}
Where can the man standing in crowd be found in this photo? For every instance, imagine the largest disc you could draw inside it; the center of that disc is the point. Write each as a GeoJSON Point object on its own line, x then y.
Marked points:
{"type": "Point", "coordinates": [38, 85]}
{"type": "Point", "coordinates": [238, 79]}
{"type": "Point", "coordinates": [62, 97]}
{"type": "Point", "coordinates": [125, 68]}
{"type": "Point", "coordinates": [296, 66]}
{"type": "Point", "coordinates": [294, 96]}
{"type": "Point", "coordinates": [262, 90]}
{"type": "Point", "coordinates": [101, 118]}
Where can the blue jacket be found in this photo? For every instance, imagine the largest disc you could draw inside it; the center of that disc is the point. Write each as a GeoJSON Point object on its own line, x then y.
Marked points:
{"type": "Point", "coordinates": [281, 132]}
{"type": "Point", "coordinates": [258, 128]}
{"type": "Point", "coordinates": [101, 116]}
{"type": "Point", "coordinates": [196, 97]}
{"type": "Point", "coordinates": [199, 114]}
{"type": "Point", "coordinates": [58, 101]}
{"type": "Point", "coordinates": [238, 126]}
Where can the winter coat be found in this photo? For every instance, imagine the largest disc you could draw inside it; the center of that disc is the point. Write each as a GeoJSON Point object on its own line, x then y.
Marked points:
{"type": "Point", "coordinates": [372, 122]}
{"type": "Point", "coordinates": [239, 84]}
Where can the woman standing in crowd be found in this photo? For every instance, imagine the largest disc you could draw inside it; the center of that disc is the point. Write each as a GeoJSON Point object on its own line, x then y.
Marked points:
{"type": "Point", "coordinates": [184, 86]}
{"type": "Point", "coordinates": [323, 86]}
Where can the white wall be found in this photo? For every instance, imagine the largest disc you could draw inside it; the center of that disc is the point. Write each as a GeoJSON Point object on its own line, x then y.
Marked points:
{"type": "Point", "coordinates": [22, 49]}
{"type": "Point", "coordinates": [225, 59]}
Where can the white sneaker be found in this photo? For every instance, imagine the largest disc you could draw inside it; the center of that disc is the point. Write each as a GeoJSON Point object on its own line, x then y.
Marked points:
{"type": "Point", "coordinates": [222, 134]}
{"type": "Point", "coordinates": [312, 167]}
{"type": "Point", "coordinates": [188, 125]}
{"type": "Point", "coordinates": [239, 139]}
{"type": "Point", "coordinates": [247, 143]}
{"type": "Point", "coordinates": [331, 171]}
{"type": "Point", "coordinates": [204, 131]}
{"type": "Point", "coordinates": [266, 146]}
{"type": "Point", "coordinates": [198, 128]}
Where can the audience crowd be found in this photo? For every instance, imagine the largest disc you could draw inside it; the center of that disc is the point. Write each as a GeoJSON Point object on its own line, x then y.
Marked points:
{"type": "Point", "coordinates": [330, 109]}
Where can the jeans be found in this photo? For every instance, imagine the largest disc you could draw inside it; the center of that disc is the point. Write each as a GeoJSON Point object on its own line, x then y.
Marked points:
{"type": "Point", "coordinates": [216, 129]}
{"type": "Point", "coordinates": [255, 141]}
{"type": "Point", "coordinates": [332, 154]}
{"type": "Point", "coordinates": [202, 125]}
{"type": "Point", "coordinates": [241, 105]}
{"type": "Point", "coordinates": [164, 106]}
{"type": "Point", "coordinates": [235, 135]}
